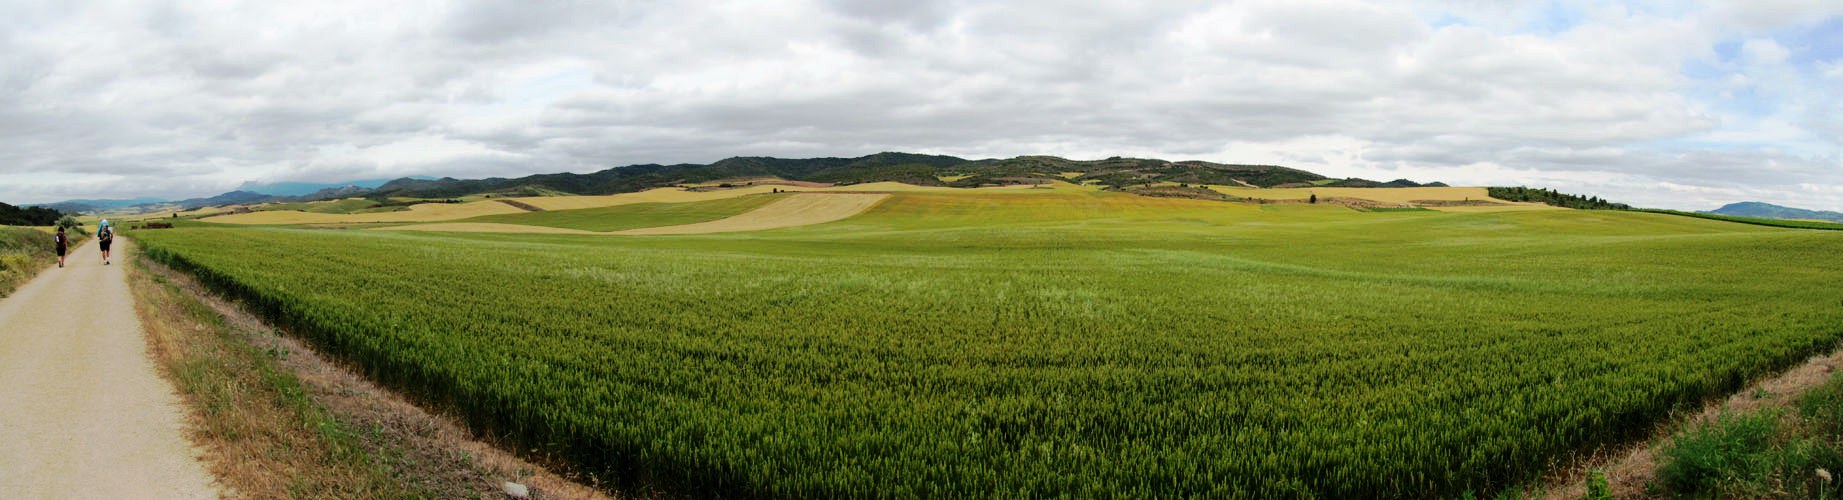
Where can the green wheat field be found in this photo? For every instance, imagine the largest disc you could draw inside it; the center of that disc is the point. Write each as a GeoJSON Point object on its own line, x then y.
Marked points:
{"type": "Point", "coordinates": [1053, 342]}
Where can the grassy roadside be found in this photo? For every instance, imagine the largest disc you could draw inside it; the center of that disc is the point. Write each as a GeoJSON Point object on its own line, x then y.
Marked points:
{"type": "Point", "coordinates": [1791, 451]}
{"type": "Point", "coordinates": [1778, 438]}
{"type": "Point", "coordinates": [24, 252]}
{"type": "Point", "coordinates": [279, 421]}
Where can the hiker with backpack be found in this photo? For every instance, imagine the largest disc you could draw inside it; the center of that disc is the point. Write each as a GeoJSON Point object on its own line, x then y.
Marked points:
{"type": "Point", "coordinates": [63, 244]}
{"type": "Point", "coordinates": [105, 236]}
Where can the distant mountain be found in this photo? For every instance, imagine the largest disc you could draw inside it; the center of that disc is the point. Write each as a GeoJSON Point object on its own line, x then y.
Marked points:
{"type": "Point", "coordinates": [1771, 211]}
{"type": "Point", "coordinates": [230, 198]}
{"type": "Point", "coordinates": [80, 206]}
{"type": "Point", "coordinates": [308, 188]}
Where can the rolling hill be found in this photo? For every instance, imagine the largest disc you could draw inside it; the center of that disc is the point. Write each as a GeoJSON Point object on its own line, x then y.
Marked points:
{"type": "Point", "coordinates": [908, 168]}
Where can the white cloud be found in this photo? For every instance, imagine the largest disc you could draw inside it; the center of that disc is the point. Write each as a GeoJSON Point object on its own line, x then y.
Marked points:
{"type": "Point", "coordinates": [1764, 51]}
{"type": "Point", "coordinates": [122, 98]}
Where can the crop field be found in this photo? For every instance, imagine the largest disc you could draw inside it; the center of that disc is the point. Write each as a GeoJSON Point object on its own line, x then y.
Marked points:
{"type": "Point", "coordinates": [802, 209]}
{"type": "Point", "coordinates": [675, 195]}
{"type": "Point", "coordinates": [1385, 195]}
{"type": "Point", "coordinates": [343, 206]}
{"type": "Point", "coordinates": [426, 212]}
{"type": "Point", "coordinates": [1071, 342]}
{"type": "Point", "coordinates": [636, 215]}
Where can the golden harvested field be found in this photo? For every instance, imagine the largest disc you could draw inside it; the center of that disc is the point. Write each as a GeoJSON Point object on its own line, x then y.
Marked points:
{"type": "Point", "coordinates": [656, 195]}
{"type": "Point", "coordinates": [198, 212]}
{"type": "Point", "coordinates": [427, 212]}
{"type": "Point", "coordinates": [798, 210]}
{"type": "Point", "coordinates": [1385, 195]}
{"type": "Point", "coordinates": [676, 195]}
{"type": "Point", "coordinates": [483, 227]}
{"type": "Point", "coordinates": [1507, 206]}
{"type": "Point", "coordinates": [951, 178]}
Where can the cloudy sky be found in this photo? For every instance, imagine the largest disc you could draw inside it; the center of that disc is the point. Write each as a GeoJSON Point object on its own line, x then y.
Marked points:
{"type": "Point", "coordinates": [1673, 104]}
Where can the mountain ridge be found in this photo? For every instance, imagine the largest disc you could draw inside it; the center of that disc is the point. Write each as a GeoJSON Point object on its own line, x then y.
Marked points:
{"type": "Point", "coordinates": [1771, 211]}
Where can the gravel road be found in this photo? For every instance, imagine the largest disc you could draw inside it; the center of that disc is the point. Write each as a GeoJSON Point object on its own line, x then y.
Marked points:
{"type": "Point", "coordinates": [82, 412]}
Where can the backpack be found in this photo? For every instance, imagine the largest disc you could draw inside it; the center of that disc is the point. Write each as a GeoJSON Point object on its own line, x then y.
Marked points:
{"type": "Point", "coordinates": [59, 238]}
{"type": "Point", "coordinates": [106, 235]}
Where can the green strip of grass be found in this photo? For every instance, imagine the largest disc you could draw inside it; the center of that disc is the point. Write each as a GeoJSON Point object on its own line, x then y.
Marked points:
{"type": "Point", "coordinates": [23, 252]}
{"type": "Point", "coordinates": [638, 215]}
{"type": "Point", "coordinates": [1770, 453]}
{"type": "Point", "coordinates": [1758, 221]}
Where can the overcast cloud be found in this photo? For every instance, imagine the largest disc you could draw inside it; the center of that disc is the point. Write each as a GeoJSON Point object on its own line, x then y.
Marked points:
{"type": "Point", "coordinates": [1674, 104]}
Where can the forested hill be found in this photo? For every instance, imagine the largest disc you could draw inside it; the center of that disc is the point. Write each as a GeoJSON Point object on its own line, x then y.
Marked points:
{"type": "Point", "coordinates": [28, 216]}
{"type": "Point", "coordinates": [919, 169]}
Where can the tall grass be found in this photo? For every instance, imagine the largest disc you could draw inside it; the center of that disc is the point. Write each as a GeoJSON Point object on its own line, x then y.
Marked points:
{"type": "Point", "coordinates": [1762, 454]}
{"type": "Point", "coordinates": [23, 252]}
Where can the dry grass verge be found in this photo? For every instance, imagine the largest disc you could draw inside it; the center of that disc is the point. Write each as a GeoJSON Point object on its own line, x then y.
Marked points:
{"type": "Point", "coordinates": [280, 421]}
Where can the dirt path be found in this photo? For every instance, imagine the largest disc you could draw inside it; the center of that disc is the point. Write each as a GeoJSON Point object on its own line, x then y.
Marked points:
{"type": "Point", "coordinates": [83, 414]}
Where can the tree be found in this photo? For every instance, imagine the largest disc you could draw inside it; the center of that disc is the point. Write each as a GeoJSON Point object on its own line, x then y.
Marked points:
{"type": "Point", "coordinates": [70, 224]}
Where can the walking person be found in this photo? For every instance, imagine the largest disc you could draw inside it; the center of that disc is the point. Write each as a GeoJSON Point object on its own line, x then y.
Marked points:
{"type": "Point", "coordinates": [63, 244]}
{"type": "Point", "coordinates": [105, 236]}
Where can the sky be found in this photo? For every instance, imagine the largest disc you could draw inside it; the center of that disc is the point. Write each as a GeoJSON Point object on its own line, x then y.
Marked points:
{"type": "Point", "coordinates": [1686, 105]}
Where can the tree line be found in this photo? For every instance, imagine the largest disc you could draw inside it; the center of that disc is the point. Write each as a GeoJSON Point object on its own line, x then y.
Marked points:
{"type": "Point", "coordinates": [1556, 198]}
{"type": "Point", "coordinates": [28, 216]}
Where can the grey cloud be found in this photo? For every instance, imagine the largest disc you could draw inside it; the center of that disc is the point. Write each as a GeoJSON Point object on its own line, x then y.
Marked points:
{"type": "Point", "coordinates": [181, 100]}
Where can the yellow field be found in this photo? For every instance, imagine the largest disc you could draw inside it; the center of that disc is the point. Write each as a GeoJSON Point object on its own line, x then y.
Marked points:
{"type": "Point", "coordinates": [676, 195]}
{"type": "Point", "coordinates": [951, 178]}
{"type": "Point", "coordinates": [168, 214]}
{"type": "Point", "coordinates": [484, 227]}
{"type": "Point", "coordinates": [736, 181]}
{"type": "Point", "coordinates": [798, 210]}
{"type": "Point", "coordinates": [1071, 175]}
{"type": "Point", "coordinates": [656, 195]}
{"type": "Point", "coordinates": [1394, 196]}
{"type": "Point", "coordinates": [1505, 207]}
{"type": "Point", "coordinates": [427, 212]}
{"type": "Point", "coordinates": [1385, 195]}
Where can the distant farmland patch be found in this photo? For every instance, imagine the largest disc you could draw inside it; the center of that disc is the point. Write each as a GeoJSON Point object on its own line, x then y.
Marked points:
{"type": "Point", "coordinates": [797, 210]}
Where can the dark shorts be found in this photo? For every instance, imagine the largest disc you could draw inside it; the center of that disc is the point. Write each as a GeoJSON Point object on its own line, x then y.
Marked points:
{"type": "Point", "coordinates": [60, 251]}
{"type": "Point", "coordinates": [105, 246]}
